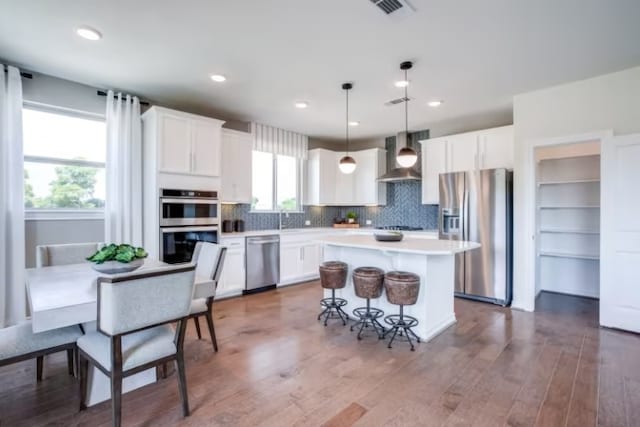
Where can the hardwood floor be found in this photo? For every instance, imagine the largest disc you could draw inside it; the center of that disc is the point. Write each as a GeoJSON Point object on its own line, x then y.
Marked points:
{"type": "Point", "coordinates": [278, 366]}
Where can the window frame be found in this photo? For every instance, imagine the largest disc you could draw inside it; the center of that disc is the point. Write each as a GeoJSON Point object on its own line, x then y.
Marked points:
{"type": "Point", "coordinates": [274, 185]}
{"type": "Point", "coordinates": [36, 214]}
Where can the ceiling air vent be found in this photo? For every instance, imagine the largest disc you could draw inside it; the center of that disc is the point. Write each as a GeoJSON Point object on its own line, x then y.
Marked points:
{"type": "Point", "coordinates": [395, 7]}
{"type": "Point", "coordinates": [397, 101]}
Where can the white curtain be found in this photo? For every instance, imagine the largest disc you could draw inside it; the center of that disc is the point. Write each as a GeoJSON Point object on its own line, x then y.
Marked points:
{"type": "Point", "coordinates": [123, 208]}
{"type": "Point", "coordinates": [279, 141]}
{"type": "Point", "coordinates": [12, 262]}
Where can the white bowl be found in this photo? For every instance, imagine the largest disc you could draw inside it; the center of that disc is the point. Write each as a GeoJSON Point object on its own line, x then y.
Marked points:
{"type": "Point", "coordinates": [117, 267]}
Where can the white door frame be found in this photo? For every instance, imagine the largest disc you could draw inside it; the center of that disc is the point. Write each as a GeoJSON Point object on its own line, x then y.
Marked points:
{"type": "Point", "coordinates": [525, 279]}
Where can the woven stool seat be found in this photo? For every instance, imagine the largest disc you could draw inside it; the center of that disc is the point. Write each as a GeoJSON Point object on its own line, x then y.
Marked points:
{"type": "Point", "coordinates": [402, 288]}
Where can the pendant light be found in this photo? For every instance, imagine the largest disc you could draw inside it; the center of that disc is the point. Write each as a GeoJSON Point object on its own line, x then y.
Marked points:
{"type": "Point", "coordinates": [407, 156]}
{"type": "Point", "coordinates": [347, 164]}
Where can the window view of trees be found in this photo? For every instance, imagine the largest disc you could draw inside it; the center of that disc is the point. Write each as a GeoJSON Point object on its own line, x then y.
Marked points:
{"type": "Point", "coordinates": [64, 160]}
{"type": "Point", "coordinates": [73, 187]}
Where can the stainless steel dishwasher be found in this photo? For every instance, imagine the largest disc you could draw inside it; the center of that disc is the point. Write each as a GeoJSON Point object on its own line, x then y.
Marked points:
{"type": "Point", "coordinates": [263, 262]}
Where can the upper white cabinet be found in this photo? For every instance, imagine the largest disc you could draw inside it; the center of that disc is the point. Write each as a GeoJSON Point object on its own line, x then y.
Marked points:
{"type": "Point", "coordinates": [186, 144]}
{"type": "Point", "coordinates": [495, 148]}
{"type": "Point", "coordinates": [236, 166]}
{"type": "Point", "coordinates": [486, 149]}
{"type": "Point", "coordinates": [326, 185]}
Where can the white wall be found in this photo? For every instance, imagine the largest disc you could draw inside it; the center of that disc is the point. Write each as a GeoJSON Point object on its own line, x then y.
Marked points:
{"type": "Point", "coordinates": [608, 102]}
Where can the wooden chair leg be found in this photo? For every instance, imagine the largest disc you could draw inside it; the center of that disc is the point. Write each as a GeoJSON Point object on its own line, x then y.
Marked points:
{"type": "Point", "coordinates": [70, 362]}
{"type": "Point", "coordinates": [39, 364]}
{"type": "Point", "coordinates": [212, 331]}
{"type": "Point", "coordinates": [116, 398]}
{"type": "Point", "coordinates": [182, 384]}
{"type": "Point", "coordinates": [83, 372]}
{"type": "Point", "coordinates": [195, 320]}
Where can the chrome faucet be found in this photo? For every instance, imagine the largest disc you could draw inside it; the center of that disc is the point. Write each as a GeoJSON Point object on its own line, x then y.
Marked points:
{"type": "Point", "coordinates": [280, 212]}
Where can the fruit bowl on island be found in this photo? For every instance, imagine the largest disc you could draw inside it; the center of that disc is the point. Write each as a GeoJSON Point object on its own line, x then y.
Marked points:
{"type": "Point", "coordinates": [115, 259]}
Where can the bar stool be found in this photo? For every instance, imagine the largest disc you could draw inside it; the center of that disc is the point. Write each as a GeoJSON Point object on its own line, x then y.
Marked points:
{"type": "Point", "coordinates": [333, 275]}
{"type": "Point", "coordinates": [367, 283]}
{"type": "Point", "coordinates": [402, 289]}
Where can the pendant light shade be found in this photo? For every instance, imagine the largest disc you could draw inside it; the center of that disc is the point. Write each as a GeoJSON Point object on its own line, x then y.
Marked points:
{"type": "Point", "coordinates": [347, 164]}
{"type": "Point", "coordinates": [407, 156]}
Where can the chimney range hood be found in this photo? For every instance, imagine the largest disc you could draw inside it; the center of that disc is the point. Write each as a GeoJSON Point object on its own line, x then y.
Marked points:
{"type": "Point", "coordinates": [398, 173]}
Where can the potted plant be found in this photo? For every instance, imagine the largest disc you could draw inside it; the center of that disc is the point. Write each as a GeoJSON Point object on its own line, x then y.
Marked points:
{"type": "Point", "coordinates": [352, 217]}
{"type": "Point", "coordinates": [112, 259]}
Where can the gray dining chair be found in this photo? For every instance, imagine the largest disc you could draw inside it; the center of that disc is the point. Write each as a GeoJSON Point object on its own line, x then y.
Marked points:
{"type": "Point", "coordinates": [209, 260]}
{"type": "Point", "coordinates": [19, 343]}
{"type": "Point", "coordinates": [133, 332]}
{"type": "Point", "coordinates": [73, 253]}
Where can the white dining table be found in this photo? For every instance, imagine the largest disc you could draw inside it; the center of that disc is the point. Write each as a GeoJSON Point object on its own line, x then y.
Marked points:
{"type": "Point", "coordinates": [66, 295]}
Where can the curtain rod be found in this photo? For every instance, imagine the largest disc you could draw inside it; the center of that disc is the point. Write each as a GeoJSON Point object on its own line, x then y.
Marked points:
{"type": "Point", "coordinates": [103, 93]}
{"type": "Point", "coordinates": [23, 74]}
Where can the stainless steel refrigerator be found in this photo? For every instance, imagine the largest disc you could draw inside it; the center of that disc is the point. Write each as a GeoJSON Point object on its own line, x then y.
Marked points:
{"type": "Point", "coordinates": [477, 206]}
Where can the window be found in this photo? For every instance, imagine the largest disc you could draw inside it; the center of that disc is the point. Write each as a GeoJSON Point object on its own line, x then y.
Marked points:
{"type": "Point", "coordinates": [64, 160]}
{"type": "Point", "coordinates": [275, 182]}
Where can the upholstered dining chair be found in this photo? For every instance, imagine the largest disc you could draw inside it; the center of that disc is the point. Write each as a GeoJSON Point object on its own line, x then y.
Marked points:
{"type": "Point", "coordinates": [133, 332]}
{"type": "Point", "coordinates": [209, 260]}
{"type": "Point", "coordinates": [18, 343]}
{"type": "Point", "coordinates": [73, 253]}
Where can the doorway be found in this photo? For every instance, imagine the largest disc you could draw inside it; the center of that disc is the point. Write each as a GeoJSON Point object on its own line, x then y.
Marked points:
{"type": "Point", "coordinates": [567, 219]}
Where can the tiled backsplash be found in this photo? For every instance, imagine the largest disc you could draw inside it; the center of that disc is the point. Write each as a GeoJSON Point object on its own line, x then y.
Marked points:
{"type": "Point", "coordinates": [404, 207]}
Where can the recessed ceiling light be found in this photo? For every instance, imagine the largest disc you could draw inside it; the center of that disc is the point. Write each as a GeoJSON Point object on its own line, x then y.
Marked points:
{"type": "Point", "coordinates": [435, 103]}
{"type": "Point", "coordinates": [301, 104]}
{"type": "Point", "coordinates": [88, 33]}
{"type": "Point", "coordinates": [218, 78]}
{"type": "Point", "coordinates": [354, 123]}
{"type": "Point", "coordinates": [402, 83]}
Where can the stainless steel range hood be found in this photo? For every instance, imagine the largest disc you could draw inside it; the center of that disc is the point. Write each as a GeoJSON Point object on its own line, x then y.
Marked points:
{"type": "Point", "coordinates": [397, 173]}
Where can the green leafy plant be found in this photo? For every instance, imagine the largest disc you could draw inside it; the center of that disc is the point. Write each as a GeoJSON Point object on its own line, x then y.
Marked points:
{"type": "Point", "coordinates": [121, 253]}
{"type": "Point", "coordinates": [352, 215]}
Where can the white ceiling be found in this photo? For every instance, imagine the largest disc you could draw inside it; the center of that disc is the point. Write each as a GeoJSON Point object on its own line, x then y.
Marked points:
{"type": "Point", "coordinates": [475, 55]}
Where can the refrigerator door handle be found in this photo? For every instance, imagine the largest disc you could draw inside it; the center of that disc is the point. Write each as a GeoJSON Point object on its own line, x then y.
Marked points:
{"type": "Point", "coordinates": [464, 213]}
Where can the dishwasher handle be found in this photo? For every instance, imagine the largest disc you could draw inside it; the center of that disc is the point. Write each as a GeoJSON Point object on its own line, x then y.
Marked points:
{"type": "Point", "coordinates": [261, 242]}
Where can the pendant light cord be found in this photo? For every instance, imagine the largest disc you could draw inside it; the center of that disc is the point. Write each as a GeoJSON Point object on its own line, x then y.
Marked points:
{"type": "Point", "coordinates": [347, 122]}
{"type": "Point", "coordinates": [406, 106]}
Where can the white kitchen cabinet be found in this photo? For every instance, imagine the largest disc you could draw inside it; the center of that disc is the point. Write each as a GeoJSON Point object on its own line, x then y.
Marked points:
{"type": "Point", "coordinates": [462, 152]}
{"type": "Point", "coordinates": [174, 136]}
{"type": "Point", "coordinates": [186, 143]}
{"type": "Point", "coordinates": [434, 162]}
{"type": "Point", "coordinates": [326, 185]}
{"type": "Point", "coordinates": [205, 147]}
{"type": "Point", "coordinates": [300, 256]}
{"type": "Point", "coordinates": [290, 262]}
{"type": "Point", "coordinates": [310, 259]}
{"type": "Point", "coordinates": [371, 164]}
{"type": "Point", "coordinates": [236, 166]}
{"type": "Point", "coordinates": [232, 278]}
{"type": "Point", "coordinates": [321, 177]}
{"type": "Point", "coordinates": [486, 149]}
{"type": "Point", "coordinates": [495, 148]}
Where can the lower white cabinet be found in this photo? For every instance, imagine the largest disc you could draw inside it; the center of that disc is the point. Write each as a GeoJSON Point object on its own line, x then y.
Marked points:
{"type": "Point", "coordinates": [232, 279]}
{"type": "Point", "coordinates": [299, 259]}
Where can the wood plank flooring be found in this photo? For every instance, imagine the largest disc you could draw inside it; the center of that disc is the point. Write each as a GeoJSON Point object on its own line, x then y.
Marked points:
{"type": "Point", "coordinates": [278, 366]}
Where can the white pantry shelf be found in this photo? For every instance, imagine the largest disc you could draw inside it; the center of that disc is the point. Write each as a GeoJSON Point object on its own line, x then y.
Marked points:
{"type": "Point", "coordinates": [568, 207]}
{"type": "Point", "coordinates": [568, 255]}
{"type": "Point", "coordinates": [568, 231]}
{"type": "Point", "coordinates": [574, 181]}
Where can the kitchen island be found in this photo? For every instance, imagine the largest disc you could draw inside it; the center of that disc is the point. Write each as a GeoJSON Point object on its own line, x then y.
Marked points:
{"type": "Point", "coordinates": [431, 259]}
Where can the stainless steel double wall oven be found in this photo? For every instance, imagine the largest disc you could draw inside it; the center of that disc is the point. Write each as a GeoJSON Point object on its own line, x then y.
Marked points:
{"type": "Point", "coordinates": [187, 217]}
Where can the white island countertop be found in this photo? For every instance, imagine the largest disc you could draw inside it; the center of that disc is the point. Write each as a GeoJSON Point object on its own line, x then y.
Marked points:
{"type": "Point", "coordinates": [412, 245]}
